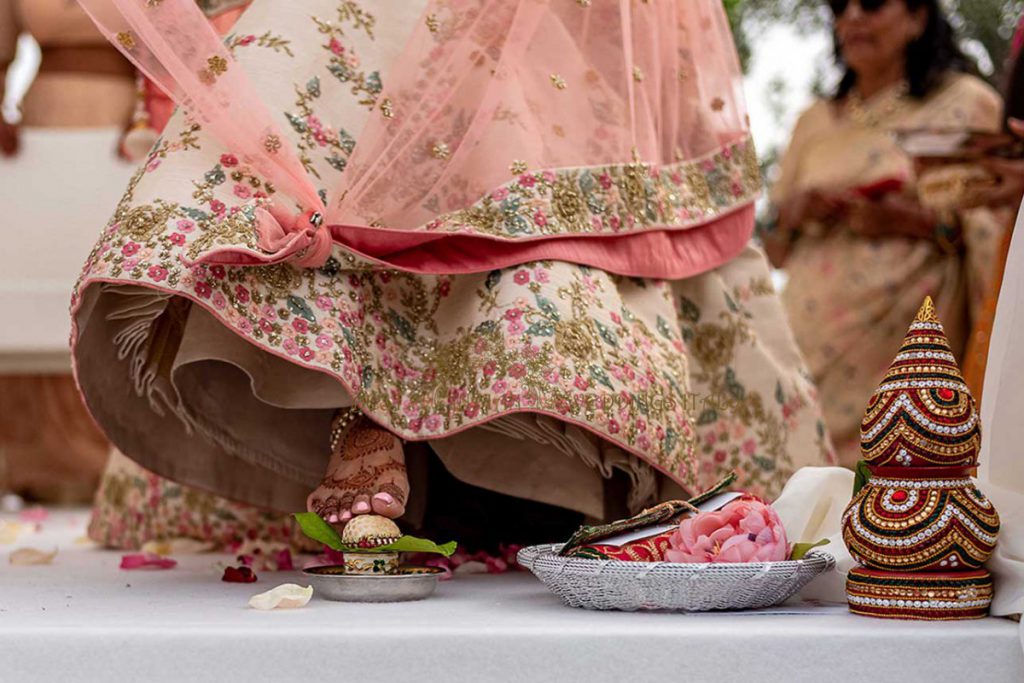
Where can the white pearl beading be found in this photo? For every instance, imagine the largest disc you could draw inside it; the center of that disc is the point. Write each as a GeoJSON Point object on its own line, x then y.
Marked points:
{"type": "Point", "coordinates": [925, 534]}
{"type": "Point", "coordinates": [921, 604]}
{"type": "Point", "coordinates": [889, 505]}
{"type": "Point", "coordinates": [921, 384]}
{"type": "Point", "coordinates": [885, 482]}
{"type": "Point", "coordinates": [926, 326]}
{"type": "Point", "coordinates": [920, 418]}
{"type": "Point", "coordinates": [917, 355]}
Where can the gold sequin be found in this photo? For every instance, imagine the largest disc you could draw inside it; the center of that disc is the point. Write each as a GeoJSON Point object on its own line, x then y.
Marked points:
{"type": "Point", "coordinates": [638, 74]}
{"type": "Point", "coordinates": [386, 108]}
{"type": "Point", "coordinates": [583, 3]}
{"type": "Point", "coordinates": [433, 23]}
{"type": "Point", "coordinates": [272, 143]}
{"type": "Point", "coordinates": [558, 82]}
{"type": "Point", "coordinates": [126, 39]}
{"type": "Point", "coordinates": [440, 150]}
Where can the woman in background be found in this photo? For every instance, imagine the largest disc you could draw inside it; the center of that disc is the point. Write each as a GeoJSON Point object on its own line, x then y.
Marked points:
{"type": "Point", "coordinates": [861, 237]}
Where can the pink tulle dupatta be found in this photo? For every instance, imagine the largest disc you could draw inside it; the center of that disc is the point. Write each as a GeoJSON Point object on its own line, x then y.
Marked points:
{"type": "Point", "coordinates": [505, 127]}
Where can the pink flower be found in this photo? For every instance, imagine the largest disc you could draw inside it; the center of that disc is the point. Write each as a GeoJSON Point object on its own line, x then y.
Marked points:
{"type": "Point", "coordinates": [242, 191]}
{"type": "Point", "coordinates": [203, 289]}
{"type": "Point", "coordinates": [130, 249]}
{"type": "Point", "coordinates": [324, 342]}
{"type": "Point", "coordinates": [219, 301]}
{"type": "Point", "coordinates": [176, 238]}
{"type": "Point", "coordinates": [335, 46]}
{"type": "Point", "coordinates": [300, 325]}
{"type": "Point", "coordinates": [521, 277]}
{"type": "Point", "coordinates": [147, 561]}
{"type": "Point", "coordinates": [186, 225]}
{"type": "Point", "coordinates": [217, 206]}
{"type": "Point", "coordinates": [229, 160]}
{"type": "Point", "coordinates": [242, 294]}
{"type": "Point", "coordinates": [745, 530]}
{"type": "Point", "coordinates": [245, 40]}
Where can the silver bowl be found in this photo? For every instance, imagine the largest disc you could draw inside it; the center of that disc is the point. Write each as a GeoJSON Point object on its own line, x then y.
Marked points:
{"type": "Point", "coordinates": [409, 583]}
{"type": "Point", "coordinates": [629, 586]}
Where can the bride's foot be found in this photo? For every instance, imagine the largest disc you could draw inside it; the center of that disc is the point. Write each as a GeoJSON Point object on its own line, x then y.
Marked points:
{"type": "Point", "coordinates": [366, 474]}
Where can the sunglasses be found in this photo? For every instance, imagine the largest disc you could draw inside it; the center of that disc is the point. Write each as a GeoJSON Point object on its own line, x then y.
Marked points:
{"type": "Point", "coordinates": [869, 6]}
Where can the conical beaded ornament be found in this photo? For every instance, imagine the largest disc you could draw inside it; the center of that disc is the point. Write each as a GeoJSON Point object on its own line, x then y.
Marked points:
{"type": "Point", "coordinates": [920, 511]}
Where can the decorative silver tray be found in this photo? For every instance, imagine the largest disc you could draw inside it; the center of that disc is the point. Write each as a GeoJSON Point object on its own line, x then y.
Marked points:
{"type": "Point", "coordinates": [630, 586]}
{"type": "Point", "coordinates": [410, 583]}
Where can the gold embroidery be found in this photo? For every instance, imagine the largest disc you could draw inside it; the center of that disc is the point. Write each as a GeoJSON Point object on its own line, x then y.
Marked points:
{"type": "Point", "coordinates": [558, 82]}
{"type": "Point", "coordinates": [433, 24]}
{"type": "Point", "coordinates": [717, 104]}
{"type": "Point", "coordinates": [638, 74]}
{"type": "Point", "coordinates": [215, 66]}
{"type": "Point", "coordinates": [440, 150]}
{"type": "Point", "coordinates": [272, 143]}
{"type": "Point", "coordinates": [518, 167]}
{"type": "Point", "coordinates": [126, 39]}
{"type": "Point", "coordinates": [386, 108]}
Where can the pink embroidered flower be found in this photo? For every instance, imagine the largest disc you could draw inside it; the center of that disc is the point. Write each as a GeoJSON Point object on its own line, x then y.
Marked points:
{"type": "Point", "coordinates": [306, 353]}
{"type": "Point", "coordinates": [749, 447]}
{"type": "Point", "coordinates": [290, 347]}
{"type": "Point", "coordinates": [130, 249]}
{"type": "Point", "coordinates": [541, 276]}
{"type": "Point", "coordinates": [130, 263]}
{"type": "Point", "coordinates": [242, 294]}
{"type": "Point", "coordinates": [335, 46]}
{"type": "Point", "coordinates": [499, 194]}
{"type": "Point", "coordinates": [219, 301]}
{"type": "Point", "coordinates": [217, 206]}
{"type": "Point", "coordinates": [471, 411]}
{"type": "Point", "coordinates": [605, 181]}
{"type": "Point", "coordinates": [300, 325]}
{"type": "Point", "coordinates": [515, 327]}
{"type": "Point", "coordinates": [229, 160]}
{"type": "Point", "coordinates": [242, 191]}
{"type": "Point", "coordinates": [500, 387]}
{"type": "Point", "coordinates": [245, 326]}
{"type": "Point", "coordinates": [517, 370]}
{"type": "Point", "coordinates": [176, 238]}
{"type": "Point", "coordinates": [613, 427]}
{"type": "Point", "coordinates": [157, 273]}
{"type": "Point", "coordinates": [266, 325]}
{"type": "Point", "coordinates": [745, 530]}
{"type": "Point", "coordinates": [324, 342]}
{"type": "Point", "coordinates": [185, 225]}
{"type": "Point", "coordinates": [552, 376]}
{"type": "Point", "coordinates": [247, 40]}
{"type": "Point", "coordinates": [203, 289]}
{"type": "Point", "coordinates": [513, 314]}
{"type": "Point", "coordinates": [433, 423]}
{"type": "Point", "coordinates": [720, 455]}
{"type": "Point", "coordinates": [324, 303]}
{"type": "Point", "coordinates": [581, 383]}
{"type": "Point", "coordinates": [615, 222]}
{"type": "Point", "coordinates": [521, 277]}
{"type": "Point", "coordinates": [218, 272]}
{"type": "Point", "coordinates": [527, 180]}
{"type": "Point", "coordinates": [489, 368]}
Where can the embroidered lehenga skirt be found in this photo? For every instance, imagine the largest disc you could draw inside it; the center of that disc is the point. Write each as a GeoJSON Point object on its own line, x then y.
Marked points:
{"type": "Point", "coordinates": [532, 366]}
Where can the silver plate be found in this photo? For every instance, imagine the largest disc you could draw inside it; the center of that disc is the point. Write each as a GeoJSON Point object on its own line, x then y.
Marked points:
{"type": "Point", "coordinates": [410, 583]}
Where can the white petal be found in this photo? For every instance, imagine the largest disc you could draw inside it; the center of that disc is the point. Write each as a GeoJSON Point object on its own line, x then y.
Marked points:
{"type": "Point", "coordinates": [285, 596]}
{"type": "Point", "coordinates": [176, 546]}
{"type": "Point", "coordinates": [27, 556]}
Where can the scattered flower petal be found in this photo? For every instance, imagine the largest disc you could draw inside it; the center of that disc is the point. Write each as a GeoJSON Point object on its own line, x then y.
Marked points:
{"type": "Point", "coordinates": [285, 596]}
{"type": "Point", "coordinates": [238, 575]}
{"type": "Point", "coordinates": [147, 561]}
{"type": "Point", "coordinates": [32, 556]}
{"type": "Point", "coordinates": [176, 546]}
{"type": "Point", "coordinates": [9, 532]}
{"type": "Point", "coordinates": [34, 514]}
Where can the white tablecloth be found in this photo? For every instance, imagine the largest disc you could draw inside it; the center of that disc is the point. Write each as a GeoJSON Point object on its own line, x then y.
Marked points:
{"type": "Point", "coordinates": [83, 619]}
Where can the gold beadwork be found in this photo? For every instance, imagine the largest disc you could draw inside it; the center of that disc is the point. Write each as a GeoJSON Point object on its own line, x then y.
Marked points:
{"type": "Point", "coordinates": [558, 82]}
{"type": "Point", "coordinates": [126, 39]}
{"type": "Point", "coordinates": [386, 108]}
{"type": "Point", "coordinates": [440, 150]}
{"type": "Point", "coordinates": [272, 143]}
{"type": "Point", "coordinates": [638, 74]}
{"type": "Point", "coordinates": [346, 416]}
{"type": "Point", "coordinates": [433, 24]}
{"type": "Point", "coordinates": [518, 167]}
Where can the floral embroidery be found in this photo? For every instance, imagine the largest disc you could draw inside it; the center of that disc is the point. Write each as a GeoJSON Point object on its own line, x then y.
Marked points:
{"type": "Point", "coordinates": [266, 40]}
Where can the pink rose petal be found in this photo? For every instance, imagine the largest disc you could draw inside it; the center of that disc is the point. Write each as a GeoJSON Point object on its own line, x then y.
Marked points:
{"type": "Point", "coordinates": [147, 561]}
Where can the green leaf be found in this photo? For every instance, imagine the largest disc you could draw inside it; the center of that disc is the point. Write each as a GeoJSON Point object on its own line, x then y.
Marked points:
{"type": "Point", "coordinates": [317, 529]}
{"type": "Point", "coordinates": [860, 476]}
{"type": "Point", "coordinates": [800, 550]}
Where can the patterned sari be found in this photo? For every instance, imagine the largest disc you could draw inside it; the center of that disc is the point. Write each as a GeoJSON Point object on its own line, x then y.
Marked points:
{"type": "Point", "coordinates": [587, 305]}
{"type": "Point", "coordinates": [848, 298]}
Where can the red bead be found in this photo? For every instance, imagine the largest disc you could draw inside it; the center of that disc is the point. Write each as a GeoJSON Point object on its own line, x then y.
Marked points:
{"type": "Point", "coordinates": [946, 394]}
{"type": "Point", "coordinates": [899, 496]}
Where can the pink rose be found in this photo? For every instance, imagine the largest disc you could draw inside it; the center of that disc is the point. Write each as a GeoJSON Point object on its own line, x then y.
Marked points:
{"type": "Point", "coordinates": [745, 530]}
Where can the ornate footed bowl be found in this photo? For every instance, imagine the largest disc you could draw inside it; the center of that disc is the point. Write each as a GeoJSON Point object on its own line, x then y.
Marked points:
{"type": "Point", "coordinates": [631, 586]}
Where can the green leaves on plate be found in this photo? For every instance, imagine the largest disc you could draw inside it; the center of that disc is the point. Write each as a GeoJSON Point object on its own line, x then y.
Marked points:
{"type": "Point", "coordinates": [860, 476]}
{"type": "Point", "coordinates": [316, 528]}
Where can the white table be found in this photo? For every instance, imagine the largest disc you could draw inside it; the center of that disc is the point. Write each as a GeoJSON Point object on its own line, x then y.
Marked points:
{"type": "Point", "coordinates": [83, 619]}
